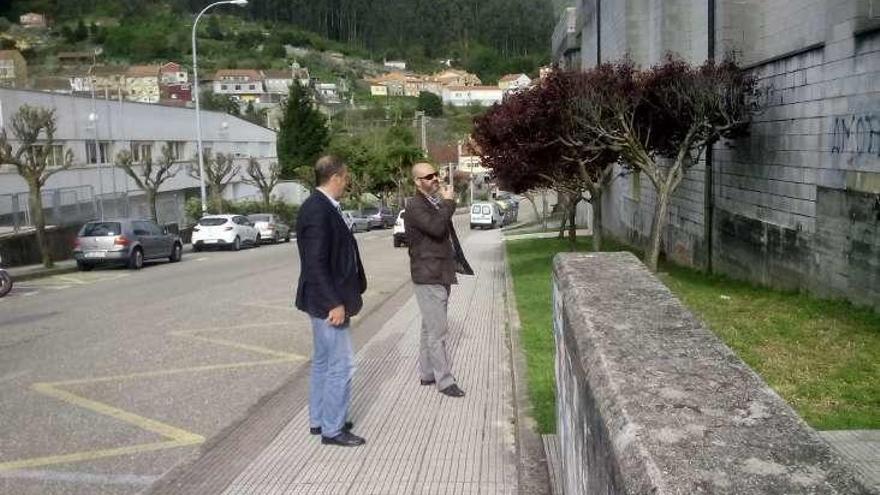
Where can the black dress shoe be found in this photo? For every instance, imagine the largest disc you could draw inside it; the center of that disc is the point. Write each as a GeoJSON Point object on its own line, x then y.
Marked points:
{"type": "Point", "coordinates": [427, 382]}
{"type": "Point", "coordinates": [317, 429]}
{"type": "Point", "coordinates": [344, 439]}
{"type": "Point", "coordinates": [452, 391]}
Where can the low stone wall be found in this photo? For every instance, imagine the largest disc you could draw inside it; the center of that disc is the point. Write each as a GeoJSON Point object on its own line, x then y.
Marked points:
{"type": "Point", "coordinates": [651, 402]}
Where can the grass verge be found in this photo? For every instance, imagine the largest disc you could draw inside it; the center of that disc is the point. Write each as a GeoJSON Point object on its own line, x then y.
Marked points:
{"type": "Point", "coordinates": [823, 357]}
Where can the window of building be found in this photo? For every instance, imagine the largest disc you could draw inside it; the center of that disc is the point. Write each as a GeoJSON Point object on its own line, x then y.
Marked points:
{"type": "Point", "coordinates": [223, 87]}
{"type": "Point", "coordinates": [55, 154]}
{"type": "Point", "coordinates": [177, 149]}
{"type": "Point", "coordinates": [238, 87]}
{"type": "Point", "coordinates": [141, 151]}
{"type": "Point", "coordinates": [252, 87]}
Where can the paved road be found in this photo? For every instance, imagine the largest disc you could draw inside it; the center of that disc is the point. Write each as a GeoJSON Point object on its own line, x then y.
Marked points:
{"type": "Point", "coordinates": [110, 378]}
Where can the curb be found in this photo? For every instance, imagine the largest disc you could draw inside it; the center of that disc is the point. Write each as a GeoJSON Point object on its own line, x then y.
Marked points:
{"type": "Point", "coordinates": [532, 472]}
{"type": "Point", "coordinates": [42, 273]}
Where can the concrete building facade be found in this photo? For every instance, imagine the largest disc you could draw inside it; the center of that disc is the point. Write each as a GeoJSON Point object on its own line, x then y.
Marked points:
{"type": "Point", "coordinates": [142, 129]}
{"type": "Point", "coordinates": [796, 204]}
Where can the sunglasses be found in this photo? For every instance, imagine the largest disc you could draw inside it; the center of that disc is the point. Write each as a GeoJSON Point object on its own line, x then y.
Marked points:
{"type": "Point", "coordinates": [428, 177]}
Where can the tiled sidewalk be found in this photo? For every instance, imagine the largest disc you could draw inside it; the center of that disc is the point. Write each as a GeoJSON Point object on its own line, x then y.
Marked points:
{"type": "Point", "coordinates": [418, 441]}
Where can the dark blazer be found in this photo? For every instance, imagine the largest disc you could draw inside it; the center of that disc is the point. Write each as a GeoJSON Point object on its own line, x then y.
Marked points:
{"type": "Point", "coordinates": [331, 272]}
{"type": "Point", "coordinates": [435, 255]}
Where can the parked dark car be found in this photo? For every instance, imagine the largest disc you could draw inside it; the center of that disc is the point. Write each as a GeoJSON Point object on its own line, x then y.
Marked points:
{"type": "Point", "coordinates": [125, 241]}
{"type": "Point", "coordinates": [379, 218]}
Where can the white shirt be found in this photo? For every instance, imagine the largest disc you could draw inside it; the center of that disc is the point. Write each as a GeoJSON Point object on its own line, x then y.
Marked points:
{"type": "Point", "coordinates": [337, 206]}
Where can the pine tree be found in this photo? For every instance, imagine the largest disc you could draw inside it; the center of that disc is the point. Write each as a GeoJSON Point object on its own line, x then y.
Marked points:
{"type": "Point", "coordinates": [302, 137]}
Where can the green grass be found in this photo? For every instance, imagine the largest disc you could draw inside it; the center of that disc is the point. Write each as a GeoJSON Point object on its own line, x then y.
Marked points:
{"type": "Point", "coordinates": [823, 357]}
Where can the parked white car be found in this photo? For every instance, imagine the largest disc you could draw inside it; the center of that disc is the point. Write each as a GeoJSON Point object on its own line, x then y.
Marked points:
{"type": "Point", "coordinates": [399, 231]}
{"type": "Point", "coordinates": [224, 231]}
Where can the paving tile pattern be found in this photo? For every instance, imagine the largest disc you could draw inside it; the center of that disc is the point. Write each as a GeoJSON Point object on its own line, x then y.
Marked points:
{"type": "Point", "coordinates": [418, 441]}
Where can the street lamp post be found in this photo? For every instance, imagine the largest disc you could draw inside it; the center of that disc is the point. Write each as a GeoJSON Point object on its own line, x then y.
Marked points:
{"type": "Point", "coordinates": [196, 92]}
{"type": "Point", "coordinates": [93, 120]}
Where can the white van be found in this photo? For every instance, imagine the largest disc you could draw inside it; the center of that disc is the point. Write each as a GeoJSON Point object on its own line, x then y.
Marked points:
{"type": "Point", "coordinates": [485, 215]}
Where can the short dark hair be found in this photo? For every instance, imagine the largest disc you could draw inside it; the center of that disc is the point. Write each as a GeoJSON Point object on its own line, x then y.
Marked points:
{"type": "Point", "coordinates": [327, 166]}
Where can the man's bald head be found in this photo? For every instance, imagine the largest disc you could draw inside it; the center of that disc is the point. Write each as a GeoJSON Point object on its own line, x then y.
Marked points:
{"type": "Point", "coordinates": [421, 169]}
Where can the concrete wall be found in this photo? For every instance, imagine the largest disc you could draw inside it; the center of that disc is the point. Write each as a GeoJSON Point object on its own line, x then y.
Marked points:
{"type": "Point", "coordinates": [651, 402]}
{"type": "Point", "coordinates": [797, 204]}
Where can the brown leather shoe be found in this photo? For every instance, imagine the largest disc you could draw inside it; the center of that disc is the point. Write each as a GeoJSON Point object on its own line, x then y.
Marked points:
{"type": "Point", "coordinates": [344, 439]}
{"type": "Point", "coordinates": [452, 391]}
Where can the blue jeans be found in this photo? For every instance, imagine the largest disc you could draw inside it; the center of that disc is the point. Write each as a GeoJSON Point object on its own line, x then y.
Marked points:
{"type": "Point", "coordinates": [332, 369]}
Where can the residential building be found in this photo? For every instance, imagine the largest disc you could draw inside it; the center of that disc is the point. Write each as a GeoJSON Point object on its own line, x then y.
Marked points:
{"type": "Point", "coordinates": [794, 204]}
{"type": "Point", "coordinates": [108, 82]}
{"type": "Point", "coordinates": [277, 85]}
{"type": "Point", "coordinates": [176, 94]}
{"type": "Point", "coordinates": [395, 64]}
{"type": "Point", "coordinates": [13, 69]}
{"type": "Point", "coordinates": [244, 85]}
{"type": "Point", "coordinates": [394, 82]}
{"type": "Point", "coordinates": [32, 20]}
{"type": "Point", "coordinates": [462, 96]}
{"type": "Point", "coordinates": [378, 89]}
{"type": "Point", "coordinates": [171, 73]}
{"type": "Point", "coordinates": [143, 130]}
{"type": "Point", "coordinates": [328, 93]}
{"type": "Point", "coordinates": [456, 77]}
{"type": "Point", "coordinates": [513, 82]}
{"type": "Point", "coordinates": [142, 83]}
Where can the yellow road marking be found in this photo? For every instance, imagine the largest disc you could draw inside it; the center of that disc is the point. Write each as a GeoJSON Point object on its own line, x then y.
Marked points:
{"type": "Point", "coordinates": [177, 437]}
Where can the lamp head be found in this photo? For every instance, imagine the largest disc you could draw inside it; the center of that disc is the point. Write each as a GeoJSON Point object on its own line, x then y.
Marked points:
{"type": "Point", "coordinates": [241, 3]}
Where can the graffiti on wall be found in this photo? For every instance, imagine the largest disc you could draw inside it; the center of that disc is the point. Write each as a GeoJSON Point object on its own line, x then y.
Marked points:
{"type": "Point", "coordinates": [856, 134]}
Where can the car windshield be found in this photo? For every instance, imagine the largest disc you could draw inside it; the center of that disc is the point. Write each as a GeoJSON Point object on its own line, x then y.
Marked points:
{"type": "Point", "coordinates": [212, 221]}
{"type": "Point", "coordinates": [100, 229]}
{"type": "Point", "coordinates": [260, 218]}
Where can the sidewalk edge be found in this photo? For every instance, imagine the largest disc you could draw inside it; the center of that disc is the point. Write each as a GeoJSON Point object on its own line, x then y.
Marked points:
{"type": "Point", "coordinates": [43, 273]}
{"type": "Point", "coordinates": [532, 474]}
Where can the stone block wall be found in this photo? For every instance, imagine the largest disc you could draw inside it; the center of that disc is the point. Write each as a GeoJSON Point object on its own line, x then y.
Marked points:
{"type": "Point", "coordinates": [797, 202]}
{"type": "Point", "coordinates": [650, 401]}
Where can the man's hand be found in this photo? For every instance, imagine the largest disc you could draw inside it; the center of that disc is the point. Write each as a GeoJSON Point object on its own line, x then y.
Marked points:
{"type": "Point", "coordinates": [446, 192]}
{"type": "Point", "coordinates": [336, 316]}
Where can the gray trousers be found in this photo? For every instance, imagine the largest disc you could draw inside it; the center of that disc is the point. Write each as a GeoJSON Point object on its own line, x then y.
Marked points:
{"type": "Point", "coordinates": [434, 361]}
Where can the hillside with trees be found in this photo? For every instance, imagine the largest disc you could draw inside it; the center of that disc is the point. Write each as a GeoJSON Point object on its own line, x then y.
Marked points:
{"type": "Point", "coordinates": [488, 37]}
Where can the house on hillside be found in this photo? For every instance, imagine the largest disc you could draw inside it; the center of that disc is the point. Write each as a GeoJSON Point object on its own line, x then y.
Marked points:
{"type": "Point", "coordinates": [73, 59]}
{"type": "Point", "coordinates": [456, 77]}
{"type": "Point", "coordinates": [32, 20]}
{"type": "Point", "coordinates": [171, 73]}
{"type": "Point", "coordinates": [394, 84]}
{"type": "Point", "coordinates": [514, 82]}
{"type": "Point", "coordinates": [462, 96]}
{"type": "Point", "coordinates": [328, 93]}
{"type": "Point", "coordinates": [13, 69]}
{"type": "Point", "coordinates": [59, 85]}
{"type": "Point", "coordinates": [277, 85]}
{"type": "Point", "coordinates": [395, 64]}
{"type": "Point", "coordinates": [243, 85]}
{"type": "Point", "coordinates": [108, 82]}
{"type": "Point", "coordinates": [142, 83]}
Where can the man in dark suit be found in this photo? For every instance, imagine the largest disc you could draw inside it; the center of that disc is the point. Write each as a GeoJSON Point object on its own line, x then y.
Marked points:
{"type": "Point", "coordinates": [331, 282]}
{"type": "Point", "coordinates": [435, 257]}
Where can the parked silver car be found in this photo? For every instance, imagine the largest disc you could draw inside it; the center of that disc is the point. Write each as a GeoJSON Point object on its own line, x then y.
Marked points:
{"type": "Point", "coordinates": [271, 227]}
{"type": "Point", "coordinates": [356, 221]}
{"type": "Point", "coordinates": [126, 241]}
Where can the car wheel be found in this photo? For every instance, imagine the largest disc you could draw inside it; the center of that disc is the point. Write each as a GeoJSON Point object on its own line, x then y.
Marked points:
{"type": "Point", "coordinates": [197, 248]}
{"type": "Point", "coordinates": [176, 253]}
{"type": "Point", "coordinates": [473, 226]}
{"type": "Point", "coordinates": [257, 241]}
{"type": "Point", "coordinates": [396, 243]}
{"type": "Point", "coordinates": [275, 238]}
{"type": "Point", "coordinates": [84, 267]}
{"type": "Point", "coordinates": [236, 244]}
{"type": "Point", "coordinates": [287, 237]}
{"type": "Point", "coordinates": [136, 261]}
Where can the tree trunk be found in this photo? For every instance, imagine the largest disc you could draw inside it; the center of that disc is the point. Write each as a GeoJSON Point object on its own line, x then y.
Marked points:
{"type": "Point", "coordinates": [596, 203]}
{"type": "Point", "coordinates": [216, 200]}
{"type": "Point", "coordinates": [35, 199]}
{"type": "Point", "coordinates": [652, 256]}
{"type": "Point", "coordinates": [267, 199]}
{"type": "Point", "coordinates": [544, 209]}
{"type": "Point", "coordinates": [152, 200]}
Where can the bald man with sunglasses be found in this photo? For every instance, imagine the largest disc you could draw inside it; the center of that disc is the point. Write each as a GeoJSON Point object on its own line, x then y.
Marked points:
{"type": "Point", "coordinates": [435, 257]}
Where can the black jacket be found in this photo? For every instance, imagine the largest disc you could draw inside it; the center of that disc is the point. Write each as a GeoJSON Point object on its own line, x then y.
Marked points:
{"type": "Point", "coordinates": [331, 272]}
{"type": "Point", "coordinates": [435, 254]}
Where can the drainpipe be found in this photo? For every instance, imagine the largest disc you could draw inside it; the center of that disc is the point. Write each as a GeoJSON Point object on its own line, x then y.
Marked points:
{"type": "Point", "coordinates": [598, 32]}
{"type": "Point", "coordinates": [709, 180]}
